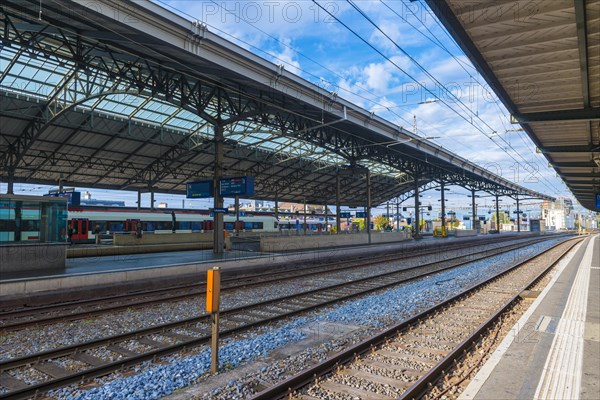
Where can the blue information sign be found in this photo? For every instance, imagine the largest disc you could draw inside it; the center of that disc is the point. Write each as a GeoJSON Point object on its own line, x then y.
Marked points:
{"type": "Point", "coordinates": [73, 198]}
{"type": "Point", "coordinates": [361, 214]}
{"type": "Point", "coordinates": [199, 190]}
{"type": "Point", "coordinates": [344, 215]}
{"type": "Point", "coordinates": [221, 210]}
{"type": "Point", "coordinates": [241, 185]}
{"type": "Point", "coordinates": [597, 200]}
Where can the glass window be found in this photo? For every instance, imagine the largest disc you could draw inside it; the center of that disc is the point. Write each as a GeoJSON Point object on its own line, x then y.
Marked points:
{"type": "Point", "coordinates": [32, 220]}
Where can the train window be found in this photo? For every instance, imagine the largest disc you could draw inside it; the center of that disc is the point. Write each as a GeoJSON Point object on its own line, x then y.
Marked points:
{"type": "Point", "coordinates": [229, 226]}
{"type": "Point", "coordinates": [275, 225]}
{"type": "Point", "coordinates": [257, 225]}
{"type": "Point", "coordinates": [116, 226]}
{"type": "Point", "coordinates": [248, 226]}
{"type": "Point", "coordinates": [196, 226]}
{"type": "Point", "coordinates": [149, 226]}
{"type": "Point", "coordinates": [184, 225]}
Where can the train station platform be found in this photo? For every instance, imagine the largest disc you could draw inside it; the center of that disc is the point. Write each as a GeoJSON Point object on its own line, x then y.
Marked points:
{"type": "Point", "coordinates": [553, 351]}
{"type": "Point", "coordinates": [142, 271]}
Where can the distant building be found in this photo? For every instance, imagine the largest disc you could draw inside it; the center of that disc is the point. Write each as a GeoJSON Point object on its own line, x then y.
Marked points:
{"type": "Point", "coordinates": [559, 215]}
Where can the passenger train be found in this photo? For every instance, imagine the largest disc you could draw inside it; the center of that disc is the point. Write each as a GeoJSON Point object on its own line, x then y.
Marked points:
{"type": "Point", "coordinates": [85, 221]}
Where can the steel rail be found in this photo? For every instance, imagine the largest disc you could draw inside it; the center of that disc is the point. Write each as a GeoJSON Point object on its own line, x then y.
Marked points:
{"type": "Point", "coordinates": [228, 284]}
{"type": "Point", "coordinates": [112, 366]}
{"type": "Point", "coordinates": [308, 375]}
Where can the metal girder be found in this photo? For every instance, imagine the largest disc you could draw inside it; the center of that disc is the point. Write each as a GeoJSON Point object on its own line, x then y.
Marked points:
{"type": "Point", "coordinates": [584, 114]}
{"type": "Point", "coordinates": [221, 102]}
{"type": "Point", "coordinates": [580, 174]}
{"type": "Point", "coordinates": [592, 148]}
{"type": "Point", "coordinates": [574, 164]}
{"type": "Point", "coordinates": [583, 53]}
{"type": "Point", "coordinates": [184, 90]}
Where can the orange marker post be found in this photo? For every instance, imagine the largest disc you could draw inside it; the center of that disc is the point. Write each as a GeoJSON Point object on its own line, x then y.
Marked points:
{"type": "Point", "coordinates": [213, 292]}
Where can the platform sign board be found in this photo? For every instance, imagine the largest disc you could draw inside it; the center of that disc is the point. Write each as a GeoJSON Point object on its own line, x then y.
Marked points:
{"type": "Point", "coordinates": [73, 198]}
{"type": "Point", "coordinates": [345, 215]}
{"type": "Point", "coordinates": [241, 185]}
{"type": "Point", "coordinates": [199, 189]}
{"type": "Point", "coordinates": [597, 200]}
{"type": "Point", "coordinates": [220, 210]}
{"type": "Point", "coordinates": [361, 214]}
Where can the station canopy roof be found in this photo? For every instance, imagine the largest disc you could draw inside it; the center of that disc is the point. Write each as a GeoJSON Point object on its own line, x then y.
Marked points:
{"type": "Point", "coordinates": [94, 101]}
{"type": "Point", "coordinates": [542, 58]}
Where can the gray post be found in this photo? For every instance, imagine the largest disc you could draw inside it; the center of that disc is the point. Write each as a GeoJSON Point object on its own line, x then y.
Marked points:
{"type": "Point", "coordinates": [473, 210]}
{"type": "Point", "coordinates": [368, 210]}
{"type": "Point", "coordinates": [398, 216]}
{"type": "Point", "coordinates": [237, 215]}
{"type": "Point", "coordinates": [218, 200]}
{"type": "Point", "coordinates": [416, 222]}
{"type": "Point", "coordinates": [387, 215]}
{"type": "Point", "coordinates": [497, 214]}
{"type": "Point", "coordinates": [276, 208]}
{"type": "Point", "coordinates": [326, 217]}
{"type": "Point", "coordinates": [11, 181]}
{"type": "Point", "coordinates": [518, 216]}
{"type": "Point", "coordinates": [151, 199]}
{"type": "Point", "coordinates": [139, 202]}
{"type": "Point", "coordinates": [443, 200]}
{"type": "Point", "coordinates": [337, 204]}
{"type": "Point", "coordinates": [304, 228]}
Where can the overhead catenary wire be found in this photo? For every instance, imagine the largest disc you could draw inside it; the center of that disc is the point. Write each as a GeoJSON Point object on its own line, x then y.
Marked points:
{"type": "Point", "coordinates": [143, 47]}
{"type": "Point", "coordinates": [306, 72]}
{"type": "Point", "coordinates": [527, 144]}
{"type": "Point", "coordinates": [351, 2]}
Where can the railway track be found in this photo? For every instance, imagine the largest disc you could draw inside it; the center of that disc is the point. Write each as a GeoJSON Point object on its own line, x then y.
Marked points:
{"type": "Point", "coordinates": [63, 366]}
{"type": "Point", "coordinates": [406, 360]}
{"type": "Point", "coordinates": [31, 316]}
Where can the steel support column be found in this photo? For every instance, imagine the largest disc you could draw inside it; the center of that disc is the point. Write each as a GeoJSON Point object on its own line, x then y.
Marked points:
{"type": "Point", "coordinates": [397, 217]}
{"type": "Point", "coordinates": [443, 200]}
{"type": "Point", "coordinates": [151, 199]}
{"type": "Point", "coordinates": [475, 224]}
{"type": "Point", "coordinates": [518, 216]}
{"type": "Point", "coordinates": [337, 204]}
{"type": "Point", "coordinates": [387, 211]}
{"type": "Point", "coordinates": [304, 226]}
{"type": "Point", "coordinates": [10, 187]}
{"type": "Point", "coordinates": [416, 222]}
{"type": "Point", "coordinates": [497, 214]}
{"type": "Point", "coordinates": [218, 200]}
{"type": "Point", "coordinates": [326, 217]}
{"type": "Point", "coordinates": [368, 210]}
{"type": "Point", "coordinates": [139, 200]}
{"type": "Point", "coordinates": [237, 215]}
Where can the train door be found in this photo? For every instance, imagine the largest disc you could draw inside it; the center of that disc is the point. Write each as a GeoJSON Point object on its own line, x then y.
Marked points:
{"type": "Point", "coordinates": [80, 228]}
{"type": "Point", "coordinates": [130, 225]}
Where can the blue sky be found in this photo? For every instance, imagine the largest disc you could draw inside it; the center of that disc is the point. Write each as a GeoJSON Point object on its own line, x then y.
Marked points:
{"type": "Point", "coordinates": [408, 59]}
{"type": "Point", "coordinates": [419, 63]}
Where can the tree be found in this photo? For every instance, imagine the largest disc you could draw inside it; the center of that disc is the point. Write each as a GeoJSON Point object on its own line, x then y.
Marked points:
{"type": "Point", "coordinates": [504, 219]}
{"type": "Point", "coordinates": [381, 222]}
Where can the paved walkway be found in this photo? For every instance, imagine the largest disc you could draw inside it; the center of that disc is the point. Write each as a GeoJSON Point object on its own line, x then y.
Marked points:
{"type": "Point", "coordinates": [554, 350]}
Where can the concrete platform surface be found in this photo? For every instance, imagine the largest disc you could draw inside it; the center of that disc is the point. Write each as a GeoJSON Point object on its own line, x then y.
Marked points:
{"type": "Point", "coordinates": [92, 273]}
{"type": "Point", "coordinates": [553, 352]}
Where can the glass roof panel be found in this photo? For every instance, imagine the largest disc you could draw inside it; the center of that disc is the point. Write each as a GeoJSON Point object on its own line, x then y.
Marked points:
{"type": "Point", "coordinates": [40, 76]}
{"type": "Point", "coordinates": [149, 115]}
